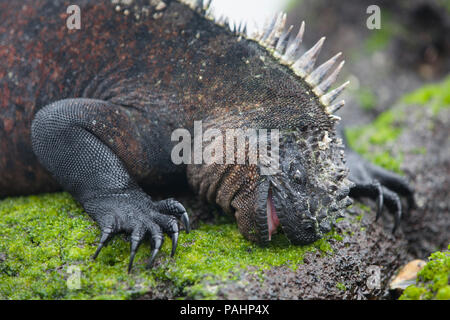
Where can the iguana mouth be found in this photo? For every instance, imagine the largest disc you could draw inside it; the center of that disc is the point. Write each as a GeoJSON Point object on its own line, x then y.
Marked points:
{"type": "Point", "coordinates": [272, 219]}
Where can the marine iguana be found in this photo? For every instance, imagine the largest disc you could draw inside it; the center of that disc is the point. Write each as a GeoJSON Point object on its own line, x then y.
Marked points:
{"type": "Point", "coordinates": [98, 106]}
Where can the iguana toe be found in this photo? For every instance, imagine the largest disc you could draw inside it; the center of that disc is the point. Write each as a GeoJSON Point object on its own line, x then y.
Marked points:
{"type": "Point", "coordinates": [172, 207]}
{"type": "Point", "coordinates": [134, 214]}
{"type": "Point", "coordinates": [156, 244]}
{"type": "Point", "coordinates": [379, 184]}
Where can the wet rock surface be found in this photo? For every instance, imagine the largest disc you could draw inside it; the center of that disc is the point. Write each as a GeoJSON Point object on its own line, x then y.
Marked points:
{"type": "Point", "coordinates": [344, 274]}
{"type": "Point", "coordinates": [359, 267]}
{"type": "Point", "coordinates": [427, 228]}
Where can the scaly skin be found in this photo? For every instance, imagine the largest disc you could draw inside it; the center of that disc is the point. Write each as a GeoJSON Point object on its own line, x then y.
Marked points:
{"type": "Point", "coordinates": [92, 111]}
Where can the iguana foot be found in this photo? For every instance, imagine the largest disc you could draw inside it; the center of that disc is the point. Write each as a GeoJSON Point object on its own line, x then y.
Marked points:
{"type": "Point", "coordinates": [91, 148]}
{"type": "Point", "coordinates": [379, 184]}
{"type": "Point", "coordinates": [133, 213]}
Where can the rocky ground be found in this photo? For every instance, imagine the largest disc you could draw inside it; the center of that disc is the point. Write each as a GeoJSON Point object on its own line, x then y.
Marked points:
{"type": "Point", "coordinates": [344, 274]}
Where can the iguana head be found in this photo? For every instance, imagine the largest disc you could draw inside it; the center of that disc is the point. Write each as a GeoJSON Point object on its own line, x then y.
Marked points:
{"type": "Point", "coordinates": [307, 194]}
{"type": "Point", "coordinates": [300, 192]}
{"type": "Point", "coordinates": [275, 85]}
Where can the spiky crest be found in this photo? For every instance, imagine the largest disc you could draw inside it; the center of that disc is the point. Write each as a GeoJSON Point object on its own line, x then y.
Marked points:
{"type": "Point", "coordinates": [285, 47]}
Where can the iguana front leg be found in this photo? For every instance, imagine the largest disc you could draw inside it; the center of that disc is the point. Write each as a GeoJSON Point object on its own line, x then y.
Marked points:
{"type": "Point", "coordinates": [84, 143]}
{"type": "Point", "coordinates": [379, 184]}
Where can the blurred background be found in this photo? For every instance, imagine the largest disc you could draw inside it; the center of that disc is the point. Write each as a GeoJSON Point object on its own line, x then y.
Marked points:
{"type": "Point", "coordinates": [411, 48]}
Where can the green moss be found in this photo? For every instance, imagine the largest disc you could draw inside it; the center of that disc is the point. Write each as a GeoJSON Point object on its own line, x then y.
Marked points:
{"type": "Point", "coordinates": [434, 96]}
{"type": "Point", "coordinates": [41, 237]}
{"type": "Point", "coordinates": [376, 141]}
{"type": "Point", "coordinates": [363, 207]}
{"type": "Point", "coordinates": [384, 128]}
{"type": "Point", "coordinates": [379, 40]}
{"type": "Point", "coordinates": [432, 280]}
{"type": "Point", "coordinates": [341, 286]}
{"type": "Point", "coordinates": [382, 131]}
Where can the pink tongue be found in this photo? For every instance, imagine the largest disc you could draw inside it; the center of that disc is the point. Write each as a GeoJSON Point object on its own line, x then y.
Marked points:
{"type": "Point", "coordinates": [272, 218]}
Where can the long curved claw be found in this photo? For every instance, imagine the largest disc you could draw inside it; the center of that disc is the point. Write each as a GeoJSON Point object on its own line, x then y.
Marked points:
{"type": "Point", "coordinates": [411, 202]}
{"type": "Point", "coordinates": [152, 258]}
{"type": "Point", "coordinates": [136, 240]}
{"type": "Point", "coordinates": [374, 190]}
{"type": "Point", "coordinates": [379, 200]}
{"type": "Point", "coordinates": [172, 207]}
{"type": "Point", "coordinates": [139, 218]}
{"type": "Point", "coordinates": [177, 207]}
{"type": "Point", "coordinates": [397, 217]}
{"type": "Point", "coordinates": [174, 243]}
{"type": "Point", "coordinates": [132, 254]}
{"type": "Point", "coordinates": [185, 220]}
{"type": "Point", "coordinates": [156, 247]}
{"type": "Point", "coordinates": [106, 236]}
{"type": "Point", "coordinates": [394, 204]}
